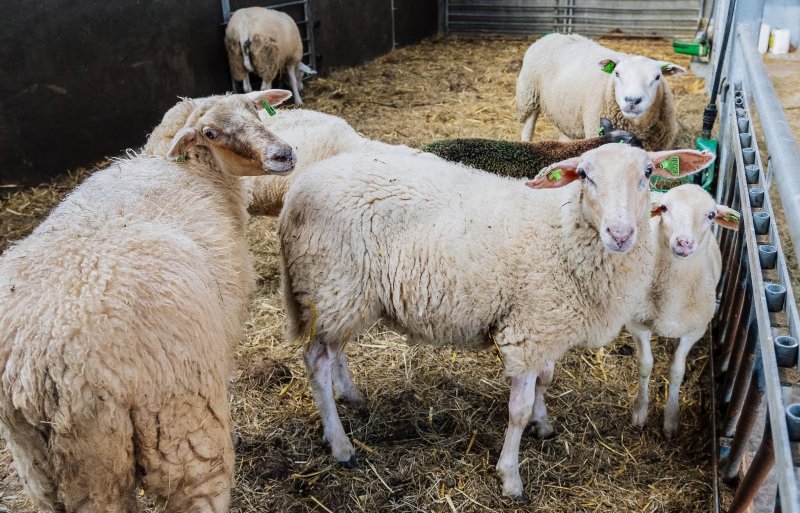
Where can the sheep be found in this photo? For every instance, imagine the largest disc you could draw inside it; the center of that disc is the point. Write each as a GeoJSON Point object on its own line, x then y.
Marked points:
{"type": "Point", "coordinates": [314, 136]}
{"type": "Point", "coordinates": [265, 42]}
{"type": "Point", "coordinates": [575, 81]}
{"type": "Point", "coordinates": [117, 314]}
{"type": "Point", "coordinates": [682, 298]}
{"type": "Point", "coordinates": [521, 159]}
{"type": "Point", "coordinates": [455, 256]}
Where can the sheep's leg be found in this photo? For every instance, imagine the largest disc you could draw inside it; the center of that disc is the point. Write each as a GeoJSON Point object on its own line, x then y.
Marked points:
{"type": "Point", "coordinates": [520, 406]}
{"type": "Point", "coordinates": [641, 334]}
{"type": "Point", "coordinates": [529, 126]}
{"type": "Point", "coordinates": [93, 457]}
{"type": "Point", "coordinates": [343, 381]}
{"type": "Point", "coordinates": [246, 83]}
{"type": "Point", "coordinates": [186, 451]}
{"type": "Point", "coordinates": [541, 422]}
{"type": "Point", "coordinates": [266, 84]}
{"type": "Point", "coordinates": [299, 73]}
{"type": "Point", "coordinates": [292, 72]}
{"type": "Point", "coordinates": [320, 360]}
{"type": "Point", "coordinates": [32, 458]}
{"type": "Point", "coordinates": [676, 373]}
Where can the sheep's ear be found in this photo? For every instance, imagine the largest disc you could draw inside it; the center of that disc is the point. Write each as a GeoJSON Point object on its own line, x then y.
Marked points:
{"type": "Point", "coordinates": [606, 127]}
{"type": "Point", "coordinates": [608, 65]}
{"type": "Point", "coordinates": [556, 175]}
{"type": "Point", "coordinates": [727, 217]}
{"type": "Point", "coordinates": [183, 140]}
{"type": "Point", "coordinates": [273, 97]}
{"type": "Point", "coordinates": [677, 163]}
{"type": "Point", "coordinates": [671, 70]}
{"type": "Point", "coordinates": [655, 209]}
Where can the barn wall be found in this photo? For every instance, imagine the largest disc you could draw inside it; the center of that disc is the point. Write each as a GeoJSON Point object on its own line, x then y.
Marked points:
{"type": "Point", "coordinates": [85, 79]}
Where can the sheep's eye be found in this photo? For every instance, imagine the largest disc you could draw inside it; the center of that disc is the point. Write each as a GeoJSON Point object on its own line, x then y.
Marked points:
{"type": "Point", "coordinates": [616, 74]}
{"type": "Point", "coordinates": [210, 134]}
{"type": "Point", "coordinates": [658, 77]}
{"type": "Point", "coordinates": [581, 173]}
{"type": "Point", "coordinates": [663, 208]}
{"type": "Point", "coordinates": [648, 171]}
{"type": "Point", "coordinates": [712, 215]}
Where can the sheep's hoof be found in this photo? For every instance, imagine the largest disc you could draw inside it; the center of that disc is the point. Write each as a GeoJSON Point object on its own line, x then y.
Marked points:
{"type": "Point", "coordinates": [543, 430]}
{"type": "Point", "coordinates": [517, 497]}
{"type": "Point", "coordinates": [349, 464]}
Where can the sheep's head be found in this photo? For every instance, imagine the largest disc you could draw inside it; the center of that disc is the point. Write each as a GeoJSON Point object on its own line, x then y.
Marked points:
{"type": "Point", "coordinates": [686, 214]}
{"type": "Point", "coordinates": [230, 129]}
{"type": "Point", "coordinates": [615, 179]}
{"type": "Point", "coordinates": [636, 81]}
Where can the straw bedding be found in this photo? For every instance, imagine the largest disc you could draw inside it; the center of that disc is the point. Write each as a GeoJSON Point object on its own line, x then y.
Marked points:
{"type": "Point", "coordinates": [433, 425]}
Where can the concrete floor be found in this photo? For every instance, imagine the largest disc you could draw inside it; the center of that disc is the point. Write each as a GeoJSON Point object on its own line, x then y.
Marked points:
{"type": "Point", "coordinates": [784, 70]}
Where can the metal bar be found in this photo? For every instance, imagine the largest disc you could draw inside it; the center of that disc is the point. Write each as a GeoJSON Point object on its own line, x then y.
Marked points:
{"type": "Point", "coordinates": [756, 474]}
{"type": "Point", "coordinates": [741, 382]}
{"type": "Point", "coordinates": [783, 459]}
{"type": "Point", "coordinates": [783, 151]}
{"type": "Point", "coordinates": [747, 420]}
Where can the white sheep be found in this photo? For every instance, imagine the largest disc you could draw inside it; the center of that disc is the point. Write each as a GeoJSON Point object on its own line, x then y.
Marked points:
{"type": "Point", "coordinates": [314, 136]}
{"type": "Point", "coordinates": [457, 256]}
{"type": "Point", "coordinates": [118, 312]}
{"type": "Point", "coordinates": [682, 297]}
{"type": "Point", "coordinates": [265, 42]}
{"type": "Point", "coordinates": [575, 82]}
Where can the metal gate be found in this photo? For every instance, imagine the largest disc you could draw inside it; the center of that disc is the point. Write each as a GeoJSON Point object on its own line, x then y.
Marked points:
{"type": "Point", "coordinates": [654, 18]}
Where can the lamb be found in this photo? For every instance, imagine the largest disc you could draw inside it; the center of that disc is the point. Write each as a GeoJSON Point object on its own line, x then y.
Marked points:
{"type": "Point", "coordinates": [522, 159]}
{"type": "Point", "coordinates": [370, 235]}
{"type": "Point", "coordinates": [118, 311]}
{"type": "Point", "coordinates": [265, 42]}
{"type": "Point", "coordinates": [314, 136]}
{"type": "Point", "coordinates": [682, 298]}
{"type": "Point", "coordinates": [575, 81]}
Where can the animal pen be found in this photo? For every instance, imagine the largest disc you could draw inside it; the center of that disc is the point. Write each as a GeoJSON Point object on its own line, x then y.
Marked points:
{"type": "Point", "coordinates": [433, 424]}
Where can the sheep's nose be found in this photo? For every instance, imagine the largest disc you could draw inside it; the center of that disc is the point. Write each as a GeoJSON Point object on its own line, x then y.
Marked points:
{"type": "Point", "coordinates": [282, 153]}
{"type": "Point", "coordinates": [685, 243]}
{"type": "Point", "coordinates": [633, 101]}
{"type": "Point", "coordinates": [620, 233]}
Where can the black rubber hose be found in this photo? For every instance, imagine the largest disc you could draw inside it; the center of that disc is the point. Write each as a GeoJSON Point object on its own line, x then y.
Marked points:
{"type": "Point", "coordinates": [710, 112]}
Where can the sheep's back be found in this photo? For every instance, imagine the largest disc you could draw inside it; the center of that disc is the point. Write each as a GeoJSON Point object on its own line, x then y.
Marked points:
{"type": "Point", "coordinates": [101, 304]}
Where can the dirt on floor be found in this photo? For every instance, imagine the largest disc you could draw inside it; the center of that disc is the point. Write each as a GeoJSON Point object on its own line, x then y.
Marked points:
{"type": "Point", "coordinates": [434, 421]}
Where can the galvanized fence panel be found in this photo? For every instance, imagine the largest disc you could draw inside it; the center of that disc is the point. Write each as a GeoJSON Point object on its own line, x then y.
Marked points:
{"type": "Point", "coordinates": [755, 332]}
{"type": "Point", "coordinates": [590, 17]}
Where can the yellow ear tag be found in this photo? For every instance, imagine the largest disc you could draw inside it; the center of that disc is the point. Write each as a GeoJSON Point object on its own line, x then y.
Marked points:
{"type": "Point", "coordinates": [554, 175]}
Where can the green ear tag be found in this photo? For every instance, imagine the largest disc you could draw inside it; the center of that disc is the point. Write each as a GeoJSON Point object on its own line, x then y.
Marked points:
{"type": "Point", "coordinates": [269, 108]}
{"type": "Point", "coordinates": [182, 157]}
{"type": "Point", "coordinates": [673, 165]}
{"type": "Point", "coordinates": [609, 67]}
{"type": "Point", "coordinates": [666, 67]}
{"type": "Point", "coordinates": [554, 175]}
{"type": "Point", "coordinates": [732, 217]}
{"type": "Point", "coordinates": [602, 131]}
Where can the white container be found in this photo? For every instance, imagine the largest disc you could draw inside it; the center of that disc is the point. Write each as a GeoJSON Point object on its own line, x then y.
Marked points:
{"type": "Point", "coordinates": [779, 41]}
{"type": "Point", "coordinates": [763, 38]}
